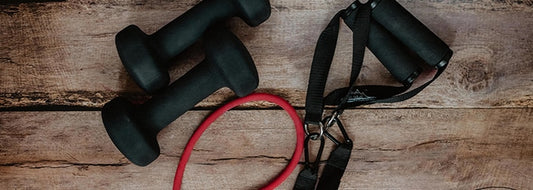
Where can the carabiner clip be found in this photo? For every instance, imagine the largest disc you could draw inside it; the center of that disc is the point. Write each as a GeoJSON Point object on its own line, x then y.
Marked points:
{"type": "Point", "coordinates": [308, 177]}
{"type": "Point", "coordinates": [332, 120]}
{"type": "Point", "coordinates": [316, 162]}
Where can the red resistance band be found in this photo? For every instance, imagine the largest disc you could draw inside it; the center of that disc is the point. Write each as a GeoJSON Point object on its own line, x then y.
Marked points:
{"type": "Point", "coordinates": [253, 97]}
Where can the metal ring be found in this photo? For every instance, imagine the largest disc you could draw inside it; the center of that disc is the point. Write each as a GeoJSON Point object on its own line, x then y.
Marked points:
{"type": "Point", "coordinates": [329, 121]}
{"type": "Point", "coordinates": [320, 126]}
{"type": "Point", "coordinates": [334, 117]}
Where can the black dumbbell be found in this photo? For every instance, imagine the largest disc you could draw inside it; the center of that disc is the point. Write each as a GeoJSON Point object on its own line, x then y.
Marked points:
{"type": "Point", "coordinates": [146, 57]}
{"type": "Point", "coordinates": [133, 128]}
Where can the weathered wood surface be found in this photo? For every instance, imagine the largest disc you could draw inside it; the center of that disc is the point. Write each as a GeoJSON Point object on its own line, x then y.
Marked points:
{"type": "Point", "coordinates": [61, 53]}
{"type": "Point", "coordinates": [394, 148]}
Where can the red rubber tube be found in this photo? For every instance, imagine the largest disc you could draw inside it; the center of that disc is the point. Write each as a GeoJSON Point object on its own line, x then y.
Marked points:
{"type": "Point", "coordinates": [253, 97]}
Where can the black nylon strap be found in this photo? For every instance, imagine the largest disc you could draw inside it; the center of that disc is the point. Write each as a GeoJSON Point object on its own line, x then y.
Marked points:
{"type": "Point", "coordinates": [306, 180]}
{"type": "Point", "coordinates": [371, 94]}
{"type": "Point", "coordinates": [324, 51]}
{"type": "Point", "coordinates": [335, 166]}
{"type": "Point", "coordinates": [357, 18]}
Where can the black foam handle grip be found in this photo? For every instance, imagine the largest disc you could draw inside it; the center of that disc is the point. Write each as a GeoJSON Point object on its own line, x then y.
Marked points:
{"type": "Point", "coordinates": [401, 63]}
{"type": "Point", "coordinates": [180, 33]}
{"type": "Point", "coordinates": [411, 32]}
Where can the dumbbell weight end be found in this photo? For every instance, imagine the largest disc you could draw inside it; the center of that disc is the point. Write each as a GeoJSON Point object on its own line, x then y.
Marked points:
{"type": "Point", "coordinates": [133, 129]}
{"type": "Point", "coordinates": [139, 61]}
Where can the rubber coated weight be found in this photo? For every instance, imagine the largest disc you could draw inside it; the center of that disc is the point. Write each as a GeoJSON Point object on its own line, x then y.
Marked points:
{"type": "Point", "coordinates": [146, 57]}
{"type": "Point", "coordinates": [411, 32]}
{"type": "Point", "coordinates": [133, 128]}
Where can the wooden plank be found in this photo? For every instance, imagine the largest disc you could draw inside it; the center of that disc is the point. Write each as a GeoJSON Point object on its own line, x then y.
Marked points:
{"type": "Point", "coordinates": [394, 148]}
{"type": "Point", "coordinates": [63, 54]}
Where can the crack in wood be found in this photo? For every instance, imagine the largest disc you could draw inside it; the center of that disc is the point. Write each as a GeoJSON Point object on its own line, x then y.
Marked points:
{"type": "Point", "coordinates": [373, 161]}
{"type": "Point", "coordinates": [321, 162]}
{"type": "Point", "coordinates": [426, 143]}
{"type": "Point", "coordinates": [59, 164]}
{"type": "Point", "coordinates": [18, 2]}
{"type": "Point", "coordinates": [251, 157]}
{"type": "Point", "coordinates": [496, 187]}
{"type": "Point", "coordinates": [494, 5]}
{"type": "Point", "coordinates": [169, 155]}
{"type": "Point", "coordinates": [7, 60]}
{"type": "Point", "coordinates": [214, 161]}
{"type": "Point", "coordinates": [438, 141]}
{"type": "Point", "coordinates": [90, 101]}
{"type": "Point", "coordinates": [103, 35]}
{"type": "Point", "coordinates": [201, 150]}
{"type": "Point", "coordinates": [69, 100]}
{"type": "Point", "coordinates": [207, 164]}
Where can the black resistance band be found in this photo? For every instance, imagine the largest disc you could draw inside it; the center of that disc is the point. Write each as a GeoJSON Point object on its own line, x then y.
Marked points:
{"type": "Point", "coordinates": [386, 28]}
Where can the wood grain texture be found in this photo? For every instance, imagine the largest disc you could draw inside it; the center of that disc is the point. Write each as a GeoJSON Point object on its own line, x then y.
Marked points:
{"type": "Point", "coordinates": [394, 148]}
{"type": "Point", "coordinates": [471, 129]}
{"type": "Point", "coordinates": [63, 54]}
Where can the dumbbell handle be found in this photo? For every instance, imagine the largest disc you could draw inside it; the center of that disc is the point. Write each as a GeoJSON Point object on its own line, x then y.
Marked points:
{"type": "Point", "coordinates": [183, 31]}
{"type": "Point", "coordinates": [180, 96]}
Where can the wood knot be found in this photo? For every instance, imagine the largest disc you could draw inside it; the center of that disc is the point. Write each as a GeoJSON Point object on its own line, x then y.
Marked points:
{"type": "Point", "coordinates": [476, 73]}
{"type": "Point", "coordinates": [476, 76]}
{"type": "Point", "coordinates": [471, 69]}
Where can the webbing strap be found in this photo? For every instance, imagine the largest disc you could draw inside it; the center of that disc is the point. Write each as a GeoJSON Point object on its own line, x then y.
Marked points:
{"type": "Point", "coordinates": [358, 20]}
{"type": "Point", "coordinates": [357, 17]}
{"type": "Point", "coordinates": [324, 51]}
{"type": "Point", "coordinates": [306, 180]}
{"type": "Point", "coordinates": [372, 94]}
{"type": "Point", "coordinates": [335, 166]}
